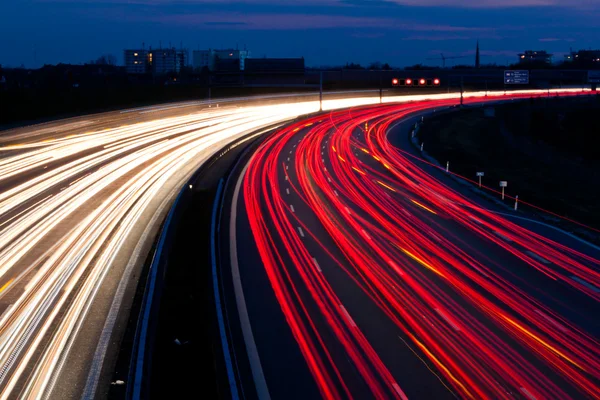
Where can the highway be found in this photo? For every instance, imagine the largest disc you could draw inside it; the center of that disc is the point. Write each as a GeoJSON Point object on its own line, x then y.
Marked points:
{"type": "Point", "coordinates": [81, 201]}
{"type": "Point", "coordinates": [359, 271]}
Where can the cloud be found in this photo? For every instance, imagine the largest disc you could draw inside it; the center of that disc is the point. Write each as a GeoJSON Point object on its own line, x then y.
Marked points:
{"type": "Point", "coordinates": [274, 21]}
{"type": "Point", "coordinates": [496, 3]}
{"type": "Point", "coordinates": [555, 40]}
{"type": "Point", "coordinates": [436, 38]}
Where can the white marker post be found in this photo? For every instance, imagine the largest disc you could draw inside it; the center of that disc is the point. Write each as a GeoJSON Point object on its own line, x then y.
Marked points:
{"type": "Point", "coordinates": [516, 202]}
{"type": "Point", "coordinates": [503, 184]}
{"type": "Point", "coordinates": [422, 146]}
{"type": "Point", "coordinates": [479, 175]}
{"type": "Point", "coordinates": [447, 165]}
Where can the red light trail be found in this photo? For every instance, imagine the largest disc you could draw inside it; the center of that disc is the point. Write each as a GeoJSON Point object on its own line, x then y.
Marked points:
{"type": "Point", "coordinates": [477, 322]}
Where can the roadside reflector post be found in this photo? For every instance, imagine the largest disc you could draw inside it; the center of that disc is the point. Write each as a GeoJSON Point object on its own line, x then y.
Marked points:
{"type": "Point", "coordinates": [447, 166]}
{"type": "Point", "coordinates": [479, 175]}
{"type": "Point", "coordinates": [516, 202]}
{"type": "Point", "coordinates": [422, 146]}
{"type": "Point", "coordinates": [503, 184]}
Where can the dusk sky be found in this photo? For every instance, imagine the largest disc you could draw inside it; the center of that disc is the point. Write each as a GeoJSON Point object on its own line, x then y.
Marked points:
{"type": "Point", "coordinates": [325, 32]}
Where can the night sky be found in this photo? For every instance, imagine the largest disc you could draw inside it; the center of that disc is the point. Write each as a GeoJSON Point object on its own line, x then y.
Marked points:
{"type": "Point", "coordinates": [325, 32]}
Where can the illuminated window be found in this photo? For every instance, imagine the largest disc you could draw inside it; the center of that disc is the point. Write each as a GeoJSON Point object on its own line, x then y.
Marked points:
{"type": "Point", "coordinates": [135, 54]}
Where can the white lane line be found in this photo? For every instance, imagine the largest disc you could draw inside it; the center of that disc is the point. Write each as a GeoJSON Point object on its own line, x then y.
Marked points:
{"type": "Point", "coordinates": [287, 190]}
{"type": "Point", "coordinates": [445, 317]}
{"type": "Point", "coordinates": [260, 382]}
{"type": "Point", "coordinates": [294, 145]}
{"type": "Point", "coordinates": [502, 236]}
{"type": "Point", "coordinates": [537, 257]}
{"type": "Point", "coordinates": [475, 219]}
{"type": "Point", "coordinates": [286, 177]}
{"type": "Point", "coordinates": [329, 179]}
{"type": "Point", "coordinates": [585, 283]}
{"type": "Point", "coordinates": [292, 208]}
{"type": "Point", "coordinates": [406, 213]}
{"type": "Point", "coordinates": [336, 193]}
{"type": "Point", "coordinates": [317, 264]}
{"type": "Point", "coordinates": [366, 234]}
{"type": "Point", "coordinates": [347, 210]}
{"type": "Point", "coordinates": [345, 312]}
{"type": "Point", "coordinates": [528, 394]}
{"type": "Point", "coordinates": [288, 159]}
{"type": "Point", "coordinates": [300, 231]}
{"type": "Point", "coordinates": [291, 151]}
{"type": "Point", "coordinates": [399, 391]}
{"type": "Point", "coordinates": [286, 167]}
{"type": "Point", "coordinates": [551, 320]}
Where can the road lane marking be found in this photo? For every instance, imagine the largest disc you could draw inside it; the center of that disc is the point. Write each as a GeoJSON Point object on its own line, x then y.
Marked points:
{"type": "Point", "coordinates": [366, 234]}
{"type": "Point", "coordinates": [448, 320]}
{"type": "Point", "coordinates": [502, 236]}
{"type": "Point", "coordinates": [528, 394]}
{"type": "Point", "coordinates": [300, 231]}
{"type": "Point", "coordinates": [336, 193]}
{"type": "Point", "coordinates": [399, 391]}
{"type": "Point", "coordinates": [348, 211]}
{"type": "Point", "coordinates": [287, 190]}
{"type": "Point", "coordinates": [292, 208]}
{"type": "Point", "coordinates": [537, 257]}
{"type": "Point", "coordinates": [255, 365]}
{"type": "Point", "coordinates": [347, 315]}
{"type": "Point", "coordinates": [551, 320]}
{"type": "Point", "coordinates": [585, 283]}
{"type": "Point", "coordinates": [329, 179]}
{"type": "Point", "coordinates": [317, 264]}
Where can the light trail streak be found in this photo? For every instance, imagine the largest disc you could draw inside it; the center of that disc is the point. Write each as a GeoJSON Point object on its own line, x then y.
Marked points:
{"type": "Point", "coordinates": [84, 197]}
{"type": "Point", "coordinates": [71, 201]}
{"type": "Point", "coordinates": [485, 331]}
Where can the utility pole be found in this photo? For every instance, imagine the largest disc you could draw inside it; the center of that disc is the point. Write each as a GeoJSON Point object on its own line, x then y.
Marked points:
{"type": "Point", "coordinates": [320, 90]}
{"type": "Point", "coordinates": [380, 89]}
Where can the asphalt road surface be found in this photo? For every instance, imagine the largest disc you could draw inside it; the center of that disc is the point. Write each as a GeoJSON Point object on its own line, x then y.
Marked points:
{"type": "Point", "coordinates": [359, 271]}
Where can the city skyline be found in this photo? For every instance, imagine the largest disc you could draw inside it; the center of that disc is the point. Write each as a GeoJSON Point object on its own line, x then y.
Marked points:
{"type": "Point", "coordinates": [331, 32]}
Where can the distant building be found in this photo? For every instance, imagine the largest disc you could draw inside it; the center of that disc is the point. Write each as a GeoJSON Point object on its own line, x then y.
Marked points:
{"type": "Point", "coordinates": [203, 58]}
{"type": "Point", "coordinates": [589, 57]}
{"type": "Point", "coordinates": [159, 62]}
{"type": "Point", "coordinates": [136, 61]}
{"type": "Point", "coordinates": [214, 59]}
{"type": "Point", "coordinates": [535, 57]}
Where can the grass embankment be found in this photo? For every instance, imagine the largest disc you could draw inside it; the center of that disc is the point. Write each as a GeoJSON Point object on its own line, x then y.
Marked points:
{"type": "Point", "coordinates": [547, 150]}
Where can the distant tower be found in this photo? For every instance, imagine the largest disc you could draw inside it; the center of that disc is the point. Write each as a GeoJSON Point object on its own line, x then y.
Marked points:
{"type": "Point", "coordinates": [477, 62]}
